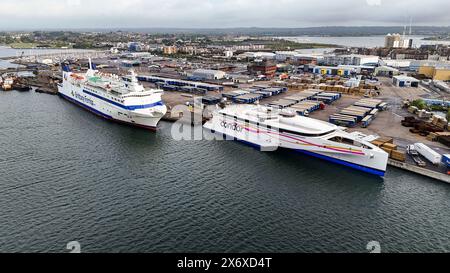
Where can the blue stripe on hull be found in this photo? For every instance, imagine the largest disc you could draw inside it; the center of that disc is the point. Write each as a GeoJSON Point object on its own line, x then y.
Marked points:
{"type": "Point", "coordinates": [327, 158]}
{"type": "Point", "coordinates": [87, 107]}
{"type": "Point", "coordinates": [95, 111]}
{"type": "Point", "coordinates": [131, 108]}
{"type": "Point", "coordinates": [345, 163]}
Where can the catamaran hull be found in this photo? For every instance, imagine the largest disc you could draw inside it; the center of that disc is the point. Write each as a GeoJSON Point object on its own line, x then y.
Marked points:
{"type": "Point", "coordinates": [366, 161]}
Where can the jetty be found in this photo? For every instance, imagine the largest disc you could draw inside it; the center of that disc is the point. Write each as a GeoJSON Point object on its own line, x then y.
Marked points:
{"type": "Point", "coordinates": [420, 171]}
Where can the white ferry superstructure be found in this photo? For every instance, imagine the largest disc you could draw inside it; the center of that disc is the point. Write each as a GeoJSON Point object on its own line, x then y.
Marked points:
{"type": "Point", "coordinates": [270, 129]}
{"type": "Point", "coordinates": [120, 99]}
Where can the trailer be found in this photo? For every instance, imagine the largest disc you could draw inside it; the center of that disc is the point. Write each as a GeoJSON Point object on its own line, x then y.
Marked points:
{"type": "Point", "coordinates": [359, 116]}
{"type": "Point", "coordinates": [383, 106]}
{"type": "Point", "coordinates": [233, 94]}
{"type": "Point", "coordinates": [411, 150]}
{"type": "Point", "coordinates": [335, 96]}
{"type": "Point", "coordinates": [209, 100]}
{"type": "Point", "coordinates": [360, 109]}
{"type": "Point", "coordinates": [275, 90]}
{"type": "Point", "coordinates": [428, 153]}
{"type": "Point", "coordinates": [296, 98]}
{"type": "Point", "coordinates": [374, 112]}
{"type": "Point", "coordinates": [247, 98]}
{"type": "Point", "coordinates": [343, 120]}
{"type": "Point", "coordinates": [366, 121]}
{"type": "Point", "coordinates": [282, 103]}
{"type": "Point", "coordinates": [310, 93]}
{"type": "Point", "coordinates": [326, 100]}
{"type": "Point", "coordinates": [446, 160]}
{"type": "Point", "coordinates": [300, 111]}
{"type": "Point", "coordinates": [366, 105]}
{"type": "Point", "coordinates": [304, 107]}
{"type": "Point", "coordinates": [265, 94]}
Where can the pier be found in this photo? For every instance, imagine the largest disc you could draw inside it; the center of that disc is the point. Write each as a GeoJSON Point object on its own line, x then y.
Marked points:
{"type": "Point", "coordinates": [421, 171]}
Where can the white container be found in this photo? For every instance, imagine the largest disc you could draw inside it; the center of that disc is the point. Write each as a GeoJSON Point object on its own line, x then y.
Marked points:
{"type": "Point", "coordinates": [428, 153]}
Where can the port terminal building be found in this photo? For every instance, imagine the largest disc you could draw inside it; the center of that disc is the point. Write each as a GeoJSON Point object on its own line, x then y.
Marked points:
{"type": "Point", "coordinates": [208, 74]}
{"type": "Point", "coordinates": [405, 81]}
{"type": "Point", "coordinates": [342, 70]}
{"type": "Point", "coordinates": [352, 59]}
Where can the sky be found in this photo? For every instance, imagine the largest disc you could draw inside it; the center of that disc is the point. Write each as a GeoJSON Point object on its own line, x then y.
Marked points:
{"type": "Point", "coordinates": [18, 14]}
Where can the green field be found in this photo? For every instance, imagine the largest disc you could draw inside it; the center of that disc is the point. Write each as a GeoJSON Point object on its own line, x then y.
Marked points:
{"type": "Point", "coordinates": [23, 45]}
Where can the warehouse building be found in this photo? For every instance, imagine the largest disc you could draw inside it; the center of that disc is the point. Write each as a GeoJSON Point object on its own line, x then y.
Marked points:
{"type": "Point", "coordinates": [437, 73]}
{"type": "Point", "coordinates": [386, 71]}
{"type": "Point", "coordinates": [257, 55]}
{"type": "Point", "coordinates": [405, 81]}
{"type": "Point", "coordinates": [334, 71]}
{"type": "Point", "coordinates": [295, 57]}
{"type": "Point", "coordinates": [208, 74]}
{"type": "Point", "coordinates": [353, 59]}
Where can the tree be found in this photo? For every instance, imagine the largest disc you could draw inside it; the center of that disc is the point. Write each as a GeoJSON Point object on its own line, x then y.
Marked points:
{"type": "Point", "coordinates": [419, 104]}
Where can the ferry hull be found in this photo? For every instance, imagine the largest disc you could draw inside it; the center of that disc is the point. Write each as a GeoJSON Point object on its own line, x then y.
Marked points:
{"type": "Point", "coordinates": [92, 110]}
{"type": "Point", "coordinates": [371, 162]}
{"type": "Point", "coordinates": [111, 112]}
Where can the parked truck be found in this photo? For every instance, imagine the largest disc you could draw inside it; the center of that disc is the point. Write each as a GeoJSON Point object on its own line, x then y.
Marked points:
{"type": "Point", "coordinates": [428, 153]}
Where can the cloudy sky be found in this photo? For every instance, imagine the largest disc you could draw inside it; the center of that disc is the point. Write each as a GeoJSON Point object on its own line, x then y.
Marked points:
{"type": "Point", "coordinates": [17, 14]}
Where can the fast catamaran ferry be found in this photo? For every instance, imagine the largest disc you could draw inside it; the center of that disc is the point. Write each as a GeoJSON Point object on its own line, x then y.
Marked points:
{"type": "Point", "coordinates": [269, 129]}
{"type": "Point", "coordinates": [120, 99]}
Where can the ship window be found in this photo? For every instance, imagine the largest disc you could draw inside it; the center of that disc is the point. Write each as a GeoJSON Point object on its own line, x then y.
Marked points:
{"type": "Point", "coordinates": [342, 140]}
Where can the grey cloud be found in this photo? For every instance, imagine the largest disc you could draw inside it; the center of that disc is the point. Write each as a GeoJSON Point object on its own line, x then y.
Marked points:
{"type": "Point", "coordinates": [219, 13]}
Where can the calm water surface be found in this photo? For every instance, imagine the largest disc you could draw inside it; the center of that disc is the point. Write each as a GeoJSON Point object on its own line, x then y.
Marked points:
{"type": "Point", "coordinates": [67, 175]}
{"type": "Point", "coordinates": [368, 41]}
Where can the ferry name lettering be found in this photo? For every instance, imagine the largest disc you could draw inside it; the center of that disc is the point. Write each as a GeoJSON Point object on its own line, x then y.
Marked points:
{"type": "Point", "coordinates": [83, 99]}
{"type": "Point", "coordinates": [231, 126]}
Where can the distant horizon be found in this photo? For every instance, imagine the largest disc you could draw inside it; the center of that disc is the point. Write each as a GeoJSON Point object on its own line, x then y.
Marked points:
{"type": "Point", "coordinates": [237, 27]}
{"type": "Point", "coordinates": [219, 14]}
{"type": "Point", "coordinates": [331, 31]}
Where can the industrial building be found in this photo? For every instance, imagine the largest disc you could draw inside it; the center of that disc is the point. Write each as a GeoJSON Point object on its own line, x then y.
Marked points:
{"type": "Point", "coordinates": [353, 59]}
{"type": "Point", "coordinates": [333, 71]}
{"type": "Point", "coordinates": [297, 58]}
{"type": "Point", "coordinates": [265, 68]}
{"type": "Point", "coordinates": [397, 41]}
{"type": "Point", "coordinates": [386, 71]}
{"type": "Point", "coordinates": [437, 73]}
{"type": "Point", "coordinates": [208, 74]}
{"type": "Point", "coordinates": [405, 81]}
{"type": "Point", "coordinates": [257, 55]}
{"type": "Point", "coordinates": [168, 50]}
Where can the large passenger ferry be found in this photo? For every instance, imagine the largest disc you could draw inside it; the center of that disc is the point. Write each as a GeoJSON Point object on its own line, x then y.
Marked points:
{"type": "Point", "coordinates": [270, 129]}
{"type": "Point", "coordinates": [121, 99]}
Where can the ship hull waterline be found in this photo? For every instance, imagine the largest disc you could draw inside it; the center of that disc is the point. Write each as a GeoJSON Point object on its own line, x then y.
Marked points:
{"type": "Point", "coordinates": [106, 117]}
{"type": "Point", "coordinates": [349, 165]}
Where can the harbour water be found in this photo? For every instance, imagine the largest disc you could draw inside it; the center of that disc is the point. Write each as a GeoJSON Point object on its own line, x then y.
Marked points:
{"type": "Point", "coordinates": [6, 52]}
{"type": "Point", "coordinates": [364, 41]}
{"type": "Point", "coordinates": [68, 175]}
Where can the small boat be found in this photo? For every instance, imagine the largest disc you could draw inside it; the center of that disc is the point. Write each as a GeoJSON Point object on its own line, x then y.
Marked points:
{"type": "Point", "coordinates": [7, 84]}
{"type": "Point", "coordinates": [21, 87]}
